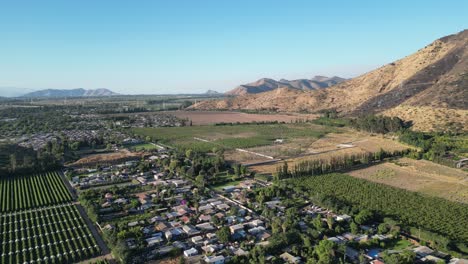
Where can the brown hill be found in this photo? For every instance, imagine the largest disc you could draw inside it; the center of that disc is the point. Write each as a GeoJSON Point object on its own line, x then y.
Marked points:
{"type": "Point", "coordinates": [265, 85]}
{"type": "Point", "coordinates": [429, 87]}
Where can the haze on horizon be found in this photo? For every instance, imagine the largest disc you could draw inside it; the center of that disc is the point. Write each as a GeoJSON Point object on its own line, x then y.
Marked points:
{"type": "Point", "coordinates": [160, 47]}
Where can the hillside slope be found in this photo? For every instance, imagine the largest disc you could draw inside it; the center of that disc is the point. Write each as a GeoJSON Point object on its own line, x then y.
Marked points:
{"type": "Point", "coordinates": [429, 87]}
{"type": "Point", "coordinates": [79, 92]}
{"type": "Point", "coordinates": [265, 85]}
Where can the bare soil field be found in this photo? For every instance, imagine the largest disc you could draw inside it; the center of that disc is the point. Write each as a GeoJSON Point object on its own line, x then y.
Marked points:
{"type": "Point", "coordinates": [331, 145]}
{"type": "Point", "coordinates": [421, 176]}
{"type": "Point", "coordinates": [213, 117]}
{"type": "Point", "coordinates": [107, 157]}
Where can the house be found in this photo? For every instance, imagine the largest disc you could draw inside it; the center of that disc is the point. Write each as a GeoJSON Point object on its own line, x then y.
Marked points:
{"type": "Point", "coordinates": [210, 249]}
{"type": "Point", "coordinates": [423, 251]}
{"type": "Point", "coordinates": [211, 237]}
{"type": "Point", "coordinates": [142, 180]}
{"type": "Point", "coordinates": [205, 207]}
{"type": "Point", "coordinates": [256, 230]}
{"type": "Point", "coordinates": [236, 228]}
{"type": "Point", "coordinates": [256, 222]}
{"type": "Point", "coordinates": [214, 259]}
{"type": "Point", "coordinates": [290, 258]}
{"type": "Point", "coordinates": [190, 230]}
{"type": "Point", "coordinates": [155, 241]}
{"type": "Point", "coordinates": [162, 226]}
{"type": "Point", "coordinates": [190, 252]}
{"type": "Point", "coordinates": [174, 234]}
{"type": "Point", "coordinates": [336, 240]}
{"type": "Point", "coordinates": [458, 261]}
{"type": "Point", "coordinates": [215, 202]}
{"type": "Point", "coordinates": [121, 201]}
{"type": "Point", "coordinates": [351, 253]}
{"type": "Point", "coordinates": [432, 259]}
{"type": "Point", "coordinates": [204, 218]}
{"type": "Point", "coordinates": [205, 227]}
{"type": "Point", "coordinates": [343, 217]}
{"type": "Point", "coordinates": [196, 239]}
{"type": "Point", "coordinates": [223, 207]}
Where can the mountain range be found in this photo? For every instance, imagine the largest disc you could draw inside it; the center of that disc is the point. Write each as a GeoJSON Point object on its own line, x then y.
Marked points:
{"type": "Point", "coordinates": [266, 84]}
{"type": "Point", "coordinates": [78, 92]}
{"type": "Point", "coordinates": [428, 87]}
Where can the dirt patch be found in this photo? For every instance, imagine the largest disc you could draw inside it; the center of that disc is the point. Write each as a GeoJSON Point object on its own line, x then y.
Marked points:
{"type": "Point", "coordinates": [421, 176]}
{"type": "Point", "coordinates": [213, 117]}
{"type": "Point", "coordinates": [119, 156]}
{"type": "Point", "coordinates": [331, 145]}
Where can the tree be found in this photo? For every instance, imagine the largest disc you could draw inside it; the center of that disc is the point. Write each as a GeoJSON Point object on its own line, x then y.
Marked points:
{"type": "Point", "coordinates": [189, 153]}
{"type": "Point", "coordinates": [318, 224]}
{"type": "Point", "coordinates": [354, 228]}
{"type": "Point", "coordinates": [330, 222]}
{"type": "Point", "coordinates": [325, 251]}
{"type": "Point", "coordinates": [363, 217]}
{"type": "Point", "coordinates": [200, 181]}
{"type": "Point", "coordinates": [224, 234]}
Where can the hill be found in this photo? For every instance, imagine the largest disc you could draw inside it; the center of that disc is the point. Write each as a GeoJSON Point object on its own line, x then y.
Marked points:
{"type": "Point", "coordinates": [265, 85]}
{"type": "Point", "coordinates": [79, 92]}
{"type": "Point", "coordinates": [428, 87]}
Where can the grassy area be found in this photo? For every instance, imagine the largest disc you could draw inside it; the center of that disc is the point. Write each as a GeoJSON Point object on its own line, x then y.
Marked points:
{"type": "Point", "coordinates": [219, 187]}
{"type": "Point", "coordinates": [144, 146]}
{"type": "Point", "coordinates": [230, 137]}
{"type": "Point", "coordinates": [400, 244]}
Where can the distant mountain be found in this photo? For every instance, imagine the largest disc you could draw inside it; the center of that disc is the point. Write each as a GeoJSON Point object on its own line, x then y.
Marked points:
{"type": "Point", "coordinates": [79, 92]}
{"type": "Point", "coordinates": [266, 85]}
{"type": "Point", "coordinates": [212, 92]}
{"type": "Point", "coordinates": [428, 87]}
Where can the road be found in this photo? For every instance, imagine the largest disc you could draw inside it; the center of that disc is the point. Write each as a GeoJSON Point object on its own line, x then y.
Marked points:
{"type": "Point", "coordinates": [104, 249]}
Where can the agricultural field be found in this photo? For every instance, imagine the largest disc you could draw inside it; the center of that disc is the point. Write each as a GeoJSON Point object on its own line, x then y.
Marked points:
{"type": "Point", "coordinates": [229, 137]}
{"type": "Point", "coordinates": [56, 234]}
{"type": "Point", "coordinates": [411, 208]}
{"type": "Point", "coordinates": [421, 176]}
{"type": "Point", "coordinates": [20, 193]}
{"type": "Point", "coordinates": [213, 117]}
{"type": "Point", "coordinates": [332, 145]}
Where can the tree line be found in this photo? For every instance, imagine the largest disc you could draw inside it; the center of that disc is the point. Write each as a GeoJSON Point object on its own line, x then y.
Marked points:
{"type": "Point", "coordinates": [334, 164]}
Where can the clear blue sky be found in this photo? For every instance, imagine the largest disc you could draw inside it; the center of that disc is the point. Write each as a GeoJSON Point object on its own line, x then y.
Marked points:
{"type": "Point", "coordinates": [191, 46]}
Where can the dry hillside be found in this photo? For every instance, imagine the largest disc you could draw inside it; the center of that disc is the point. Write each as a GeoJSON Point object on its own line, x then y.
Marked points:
{"type": "Point", "coordinates": [429, 87]}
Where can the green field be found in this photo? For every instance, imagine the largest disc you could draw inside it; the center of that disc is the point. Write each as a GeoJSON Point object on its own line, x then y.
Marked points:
{"type": "Point", "coordinates": [413, 209]}
{"type": "Point", "coordinates": [24, 192]}
{"type": "Point", "coordinates": [230, 136]}
{"type": "Point", "coordinates": [144, 146]}
{"type": "Point", "coordinates": [55, 234]}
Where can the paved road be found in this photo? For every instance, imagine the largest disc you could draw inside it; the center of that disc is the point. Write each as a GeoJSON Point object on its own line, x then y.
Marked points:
{"type": "Point", "coordinates": [105, 250]}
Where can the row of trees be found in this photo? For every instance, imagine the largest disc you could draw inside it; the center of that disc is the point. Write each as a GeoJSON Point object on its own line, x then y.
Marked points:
{"type": "Point", "coordinates": [57, 234]}
{"type": "Point", "coordinates": [339, 191]}
{"type": "Point", "coordinates": [334, 164]}
{"type": "Point", "coordinates": [19, 193]}
{"type": "Point", "coordinates": [378, 124]}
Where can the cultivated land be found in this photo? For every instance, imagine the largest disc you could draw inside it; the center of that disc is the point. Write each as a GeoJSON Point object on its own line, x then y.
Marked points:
{"type": "Point", "coordinates": [56, 234]}
{"type": "Point", "coordinates": [19, 193]}
{"type": "Point", "coordinates": [324, 148]}
{"type": "Point", "coordinates": [421, 176]}
{"type": "Point", "coordinates": [205, 138]}
{"type": "Point", "coordinates": [40, 224]}
{"type": "Point", "coordinates": [213, 117]}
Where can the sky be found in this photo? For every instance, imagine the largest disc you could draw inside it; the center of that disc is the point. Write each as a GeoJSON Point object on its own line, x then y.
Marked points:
{"type": "Point", "coordinates": [159, 47]}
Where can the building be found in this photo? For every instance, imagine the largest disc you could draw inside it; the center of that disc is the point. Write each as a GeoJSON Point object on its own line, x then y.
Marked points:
{"type": "Point", "coordinates": [190, 252]}
{"type": "Point", "coordinates": [214, 259]}
{"type": "Point", "coordinates": [290, 258]}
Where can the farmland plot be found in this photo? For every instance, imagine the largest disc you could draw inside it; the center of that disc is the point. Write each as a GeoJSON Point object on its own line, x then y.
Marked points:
{"type": "Point", "coordinates": [19, 193]}
{"type": "Point", "coordinates": [55, 234]}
